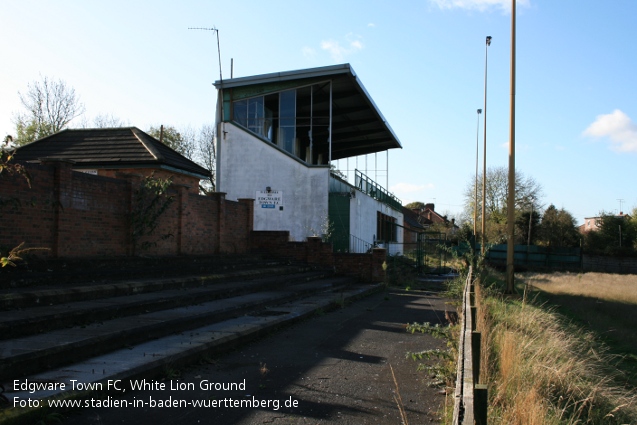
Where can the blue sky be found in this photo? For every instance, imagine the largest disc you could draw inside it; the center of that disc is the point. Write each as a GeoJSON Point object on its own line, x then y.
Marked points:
{"type": "Point", "coordinates": [421, 61]}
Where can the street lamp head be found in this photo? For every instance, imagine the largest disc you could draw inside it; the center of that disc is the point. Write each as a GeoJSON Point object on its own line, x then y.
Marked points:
{"type": "Point", "coordinates": [479, 111]}
{"type": "Point", "coordinates": [488, 40]}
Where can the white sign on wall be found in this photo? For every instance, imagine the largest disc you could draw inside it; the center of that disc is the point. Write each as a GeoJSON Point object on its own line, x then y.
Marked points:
{"type": "Point", "coordinates": [270, 200]}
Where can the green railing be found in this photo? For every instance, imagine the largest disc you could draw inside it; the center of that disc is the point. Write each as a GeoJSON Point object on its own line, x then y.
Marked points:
{"type": "Point", "coordinates": [376, 191]}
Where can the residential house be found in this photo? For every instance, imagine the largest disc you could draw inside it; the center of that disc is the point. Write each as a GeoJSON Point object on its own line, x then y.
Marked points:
{"type": "Point", "coordinates": [428, 218]}
{"type": "Point", "coordinates": [594, 223]}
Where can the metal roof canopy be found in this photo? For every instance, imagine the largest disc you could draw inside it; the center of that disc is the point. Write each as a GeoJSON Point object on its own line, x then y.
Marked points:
{"type": "Point", "coordinates": [358, 126]}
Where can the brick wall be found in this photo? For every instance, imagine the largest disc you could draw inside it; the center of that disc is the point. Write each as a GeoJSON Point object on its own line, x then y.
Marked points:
{"type": "Point", "coordinates": [78, 215]}
{"type": "Point", "coordinates": [276, 244]}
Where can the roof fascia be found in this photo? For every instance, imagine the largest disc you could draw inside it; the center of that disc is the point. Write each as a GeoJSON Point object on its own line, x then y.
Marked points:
{"type": "Point", "coordinates": [321, 72]}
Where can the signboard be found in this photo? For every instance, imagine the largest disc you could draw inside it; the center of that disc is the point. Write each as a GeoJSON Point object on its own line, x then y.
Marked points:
{"type": "Point", "coordinates": [93, 172]}
{"type": "Point", "coordinates": [270, 200]}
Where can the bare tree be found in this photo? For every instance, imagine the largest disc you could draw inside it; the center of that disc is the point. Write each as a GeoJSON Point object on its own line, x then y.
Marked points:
{"type": "Point", "coordinates": [106, 121]}
{"type": "Point", "coordinates": [198, 146]}
{"type": "Point", "coordinates": [207, 157]}
{"type": "Point", "coordinates": [50, 105]}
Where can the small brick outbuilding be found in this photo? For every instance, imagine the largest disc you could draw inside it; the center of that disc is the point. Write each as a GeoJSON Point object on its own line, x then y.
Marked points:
{"type": "Point", "coordinates": [111, 151]}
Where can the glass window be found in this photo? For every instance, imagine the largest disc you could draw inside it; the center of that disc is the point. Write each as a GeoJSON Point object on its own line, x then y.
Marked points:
{"type": "Point", "coordinates": [256, 116]}
{"type": "Point", "coordinates": [296, 120]}
{"type": "Point", "coordinates": [287, 120]}
{"type": "Point", "coordinates": [240, 112]}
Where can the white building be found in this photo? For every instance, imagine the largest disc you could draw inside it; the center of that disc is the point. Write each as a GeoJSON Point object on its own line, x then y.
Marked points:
{"type": "Point", "coordinates": [277, 136]}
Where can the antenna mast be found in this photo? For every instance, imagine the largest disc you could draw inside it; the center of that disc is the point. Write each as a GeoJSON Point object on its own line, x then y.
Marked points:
{"type": "Point", "coordinates": [218, 46]}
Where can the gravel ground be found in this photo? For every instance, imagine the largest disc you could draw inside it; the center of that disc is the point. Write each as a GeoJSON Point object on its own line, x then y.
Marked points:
{"type": "Point", "coordinates": [334, 368]}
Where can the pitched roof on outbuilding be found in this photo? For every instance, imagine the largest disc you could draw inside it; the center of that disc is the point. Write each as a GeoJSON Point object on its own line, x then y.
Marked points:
{"type": "Point", "coordinates": [124, 147]}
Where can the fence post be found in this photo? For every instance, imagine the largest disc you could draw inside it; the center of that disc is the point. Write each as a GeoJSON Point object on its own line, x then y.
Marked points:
{"type": "Point", "coordinates": [480, 404]}
{"type": "Point", "coordinates": [476, 339]}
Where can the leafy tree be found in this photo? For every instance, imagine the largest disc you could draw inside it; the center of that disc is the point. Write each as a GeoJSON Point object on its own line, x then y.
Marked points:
{"type": "Point", "coordinates": [180, 141]}
{"type": "Point", "coordinates": [615, 235]}
{"type": "Point", "coordinates": [558, 228]}
{"type": "Point", "coordinates": [50, 105]}
{"type": "Point", "coordinates": [415, 205]}
{"type": "Point", "coordinates": [523, 227]}
{"type": "Point", "coordinates": [496, 199]}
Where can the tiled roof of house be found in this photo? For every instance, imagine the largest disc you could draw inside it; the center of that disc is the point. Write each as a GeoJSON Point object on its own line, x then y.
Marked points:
{"type": "Point", "coordinates": [124, 147]}
{"type": "Point", "coordinates": [410, 218]}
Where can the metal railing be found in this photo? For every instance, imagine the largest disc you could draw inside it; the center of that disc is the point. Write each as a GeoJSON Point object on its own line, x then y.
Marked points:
{"type": "Point", "coordinates": [376, 191]}
{"type": "Point", "coordinates": [470, 406]}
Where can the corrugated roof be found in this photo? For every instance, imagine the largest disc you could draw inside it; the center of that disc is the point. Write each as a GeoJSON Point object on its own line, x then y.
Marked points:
{"type": "Point", "coordinates": [122, 147]}
{"type": "Point", "coordinates": [358, 126]}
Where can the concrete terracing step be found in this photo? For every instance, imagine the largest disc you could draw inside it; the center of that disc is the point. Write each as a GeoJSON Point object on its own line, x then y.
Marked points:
{"type": "Point", "coordinates": [43, 296]}
{"type": "Point", "coordinates": [69, 271]}
{"type": "Point", "coordinates": [145, 298]}
{"type": "Point", "coordinates": [150, 359]}
{"type": "Point", "coordinates": [30, 354]}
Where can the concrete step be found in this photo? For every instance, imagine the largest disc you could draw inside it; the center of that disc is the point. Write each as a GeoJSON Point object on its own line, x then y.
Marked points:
{"type": "Point", "coordinates": [142, 297]}
{"type": "Point", "coordinates": [68, 271]}
{"type": "Point", "coordinates": [151, 359]}
{"type": "Point", "coordinates": [34, 353]}
{"type": "Point", "coordinates": [53, 294]}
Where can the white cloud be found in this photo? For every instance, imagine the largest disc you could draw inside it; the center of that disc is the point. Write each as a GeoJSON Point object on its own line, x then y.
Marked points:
{"type": "Point", "coordinates": [338, 51]}
{"type": "Point", "coordinates": [371, 25]}
{"type": "Point", "coordinates": [618, 128]}
{"type": "Point", "coordinates": [480, 5]}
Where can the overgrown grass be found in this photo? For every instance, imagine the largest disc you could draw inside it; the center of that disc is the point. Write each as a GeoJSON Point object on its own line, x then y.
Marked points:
{"type": "Point", "coordinates": [603, 303]}
{"type": "Point", "coordinates": [543, 368]}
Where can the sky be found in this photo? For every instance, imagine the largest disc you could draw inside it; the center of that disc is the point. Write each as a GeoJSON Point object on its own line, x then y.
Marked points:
{"type": "Point", "coordinates": [422, 62]}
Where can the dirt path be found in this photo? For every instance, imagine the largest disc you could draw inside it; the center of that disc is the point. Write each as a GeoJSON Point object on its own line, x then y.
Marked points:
{"type": "Point", "coordinates": [331, 369]}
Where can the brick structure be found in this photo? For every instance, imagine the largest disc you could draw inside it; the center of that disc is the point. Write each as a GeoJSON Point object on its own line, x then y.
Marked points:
{"type": "Point", "coordinates": [114, 152]}
{"type": "Point", "coordinates": [365, 267]}
{"type": "Point", "coordinates": [77, 215]}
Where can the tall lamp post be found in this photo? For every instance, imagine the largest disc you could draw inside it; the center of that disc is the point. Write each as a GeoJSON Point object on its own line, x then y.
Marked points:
{"type": "Point", "coordinates": [475, 199]}
{"type": "Point", "coordinates": [510, 273]}
{"type": "Point", "coordinates": [484, 159]}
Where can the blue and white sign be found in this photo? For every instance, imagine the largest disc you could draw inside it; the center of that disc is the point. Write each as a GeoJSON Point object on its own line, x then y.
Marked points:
{"type": "Point", "coordinates": [270, 200]}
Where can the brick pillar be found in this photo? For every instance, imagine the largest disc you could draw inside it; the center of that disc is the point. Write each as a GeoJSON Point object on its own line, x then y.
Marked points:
{"type": "Point", "coordinates": [134, 181]}
{"type": "Point", "coordinates": [62, 198]}
{"type": "Point", "coordinates": [182, 217]}
{"type": "Point", "coordinates": [379, 255]}
{"type": "Point", "coordinates": [248, 205]}
{"type": "Point", "coordinates": [220, 198]}
{"type": "Point", "coordinates": [314, 250]}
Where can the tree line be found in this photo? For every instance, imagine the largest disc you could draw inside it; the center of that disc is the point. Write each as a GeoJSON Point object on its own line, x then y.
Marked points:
{"type": "Point", "coordinates": [50, 105]}
{"type": "Point", "coordinates": [538, 225]}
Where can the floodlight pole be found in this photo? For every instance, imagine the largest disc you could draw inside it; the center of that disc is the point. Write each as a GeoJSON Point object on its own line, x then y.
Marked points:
{"type": "Point", "coordinates": [510, 270]}
{"type": "Point", "coordinates": [475, 199]}
{"type": "Point", "coordinates": [484, 158]}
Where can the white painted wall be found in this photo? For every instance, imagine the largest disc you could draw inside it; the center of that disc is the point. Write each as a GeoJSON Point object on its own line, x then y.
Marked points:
{"type": "Point", "coordinates": [363, 219]}
{"type": "Point", "coordinates": [247, 164]}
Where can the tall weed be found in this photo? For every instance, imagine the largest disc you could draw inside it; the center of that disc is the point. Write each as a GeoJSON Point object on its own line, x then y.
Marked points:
{"type": "Point", "coordinates": [543, 369]}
